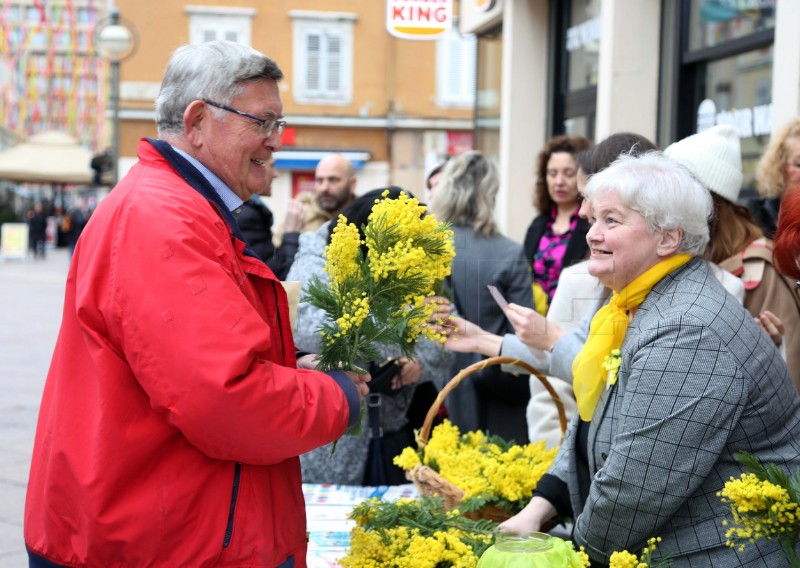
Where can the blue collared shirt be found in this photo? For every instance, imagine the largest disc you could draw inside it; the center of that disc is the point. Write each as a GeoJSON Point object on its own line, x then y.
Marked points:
{"type": "Point", "coordinates": [228, 196]}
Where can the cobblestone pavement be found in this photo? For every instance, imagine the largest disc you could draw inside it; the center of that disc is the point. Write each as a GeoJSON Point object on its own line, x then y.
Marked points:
{"type": "Point", "coordinates": [31, 300]}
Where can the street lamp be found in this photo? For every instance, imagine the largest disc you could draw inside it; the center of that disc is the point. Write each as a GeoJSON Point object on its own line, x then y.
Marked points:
{"type": "Point", "coordinates": [115, 40]}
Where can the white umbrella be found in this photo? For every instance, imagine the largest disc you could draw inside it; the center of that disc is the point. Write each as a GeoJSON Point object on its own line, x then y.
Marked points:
{"type": "Point", "coordinates": [48, 157]}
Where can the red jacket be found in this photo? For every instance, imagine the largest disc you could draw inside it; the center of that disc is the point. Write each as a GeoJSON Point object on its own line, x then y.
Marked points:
{"type": "Point", "coordinates": [173, 413]}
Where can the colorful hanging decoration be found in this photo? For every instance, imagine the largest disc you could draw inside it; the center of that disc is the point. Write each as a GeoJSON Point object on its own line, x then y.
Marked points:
{"type": "Point", "coordinates": [51, 76]}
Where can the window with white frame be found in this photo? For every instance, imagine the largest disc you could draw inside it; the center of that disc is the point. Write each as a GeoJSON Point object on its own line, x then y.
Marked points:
{"type": "Point", "coordinates": [323, 57]}
{"type": "Point", "coordinates": [207, 23]}
{"type": "Point", "coordinates": [455, 70]}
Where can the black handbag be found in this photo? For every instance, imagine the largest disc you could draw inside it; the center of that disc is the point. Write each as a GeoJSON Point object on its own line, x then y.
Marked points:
{"type": "Point", "coordinates": [382, 375]}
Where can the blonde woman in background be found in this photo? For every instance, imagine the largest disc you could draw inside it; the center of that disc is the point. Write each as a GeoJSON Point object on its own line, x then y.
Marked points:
{"type": "Point", "coordinates": [778, 169]}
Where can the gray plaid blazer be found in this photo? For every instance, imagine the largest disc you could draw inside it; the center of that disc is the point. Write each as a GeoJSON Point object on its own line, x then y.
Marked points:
{"type": "Point", "coordinates": [699, 381]}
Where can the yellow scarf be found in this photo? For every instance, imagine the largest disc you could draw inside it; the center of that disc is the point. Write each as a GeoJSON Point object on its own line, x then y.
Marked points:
{"type": "Point", "coordinates": [607, 332]}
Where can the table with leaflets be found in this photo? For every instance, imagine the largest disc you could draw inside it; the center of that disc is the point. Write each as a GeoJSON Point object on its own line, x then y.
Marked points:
{"type": "Point", "coordinates": [327, 508]}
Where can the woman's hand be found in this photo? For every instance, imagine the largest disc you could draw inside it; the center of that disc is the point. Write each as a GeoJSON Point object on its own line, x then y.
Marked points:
{"type": "Point", "coordinates": [410, 373]}
{"type": "Point", "coordinates": [466, 337]}
{"type": "Point", "coordinates": [772, 325]}
{"type": "Point", "coordinates": [531, 518]}
{"type": "Point", "coordinates": [443, 309]}
{"type": "Point", "coordinates": [533, 329]}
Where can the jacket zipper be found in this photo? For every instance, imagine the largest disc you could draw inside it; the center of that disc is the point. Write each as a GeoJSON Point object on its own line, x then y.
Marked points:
{"type": "Point", "coordinates": [280, 323]}
{"type": "Point", "coordinates": [234, 496]}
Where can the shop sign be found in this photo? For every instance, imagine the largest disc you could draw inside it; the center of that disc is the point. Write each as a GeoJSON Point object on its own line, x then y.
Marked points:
{"type": "Point", "coordinates": [419, 19]}
{"type": "Point", "coordinates": [13, 240]}
{"type": "Point", "coordinates": [739, 5]}
{"type": "Point", "coordinates": [748, 122]}
{"type": "Point", "coordinates": [288, 137]}
{"type": "Point", "coordinates": [481, 6]}
{"type": "Point", "coordinates": [459, 141]}
{"type": "Point", "coordinates": [583, 35]}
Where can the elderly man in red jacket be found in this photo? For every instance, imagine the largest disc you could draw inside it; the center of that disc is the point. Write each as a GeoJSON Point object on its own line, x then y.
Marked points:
{"type": "Point", "coordinates": [175, 406]}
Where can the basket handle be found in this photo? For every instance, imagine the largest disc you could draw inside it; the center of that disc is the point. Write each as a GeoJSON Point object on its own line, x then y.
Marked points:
{"type": "Point", "coordinates": [425, 431]}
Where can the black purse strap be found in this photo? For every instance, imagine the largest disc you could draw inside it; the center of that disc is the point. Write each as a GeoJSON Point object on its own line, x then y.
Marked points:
{"type": "Point", "coordinates": [374, 403]}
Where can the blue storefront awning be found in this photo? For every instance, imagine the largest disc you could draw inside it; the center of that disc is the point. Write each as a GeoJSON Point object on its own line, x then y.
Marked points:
{"type": "Point", "coordinates": [300, 159]}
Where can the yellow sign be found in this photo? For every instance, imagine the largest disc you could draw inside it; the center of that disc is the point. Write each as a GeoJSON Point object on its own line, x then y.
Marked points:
{"type": "Point", "coordinates": [13, 240]}
{"type": "Point", "coordinates": [482, 5]}
{"type": "Point", "coordinates": [419, 19]}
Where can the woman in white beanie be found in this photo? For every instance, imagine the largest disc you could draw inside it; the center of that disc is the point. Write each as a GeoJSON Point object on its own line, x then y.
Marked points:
{"type": "Point", "coordinates": [737, 243]}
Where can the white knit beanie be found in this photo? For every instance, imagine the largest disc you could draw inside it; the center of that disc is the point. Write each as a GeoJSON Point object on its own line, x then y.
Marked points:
{"type": "Point", "coordinates": [714, 156]}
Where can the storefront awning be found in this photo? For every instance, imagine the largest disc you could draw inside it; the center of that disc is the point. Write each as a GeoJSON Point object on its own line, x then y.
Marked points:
{"type": "Point", "coordinates": [300, 159]}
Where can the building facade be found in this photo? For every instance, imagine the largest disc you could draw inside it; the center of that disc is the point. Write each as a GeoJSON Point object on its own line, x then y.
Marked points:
{"type": "Point", "coordinates": [394, 106]}
{"type": "Point", "coordinates": [51, 77]}
{"type": "Point", "coordinates": [662, 68]}
{"type": "Point", "coordinates": [511, 74]}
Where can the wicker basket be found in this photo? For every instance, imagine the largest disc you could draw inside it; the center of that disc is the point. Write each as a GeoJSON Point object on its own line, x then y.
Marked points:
{"type": "Point", "coordinates": [429, 482]}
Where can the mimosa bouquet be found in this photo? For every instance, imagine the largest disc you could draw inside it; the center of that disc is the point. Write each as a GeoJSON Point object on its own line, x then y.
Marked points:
{"type": "Point", "coordinates": [415, 532]}
{"type": "Point", "coordinates": [422, 533]}
{"type": "Point", "coordinates": [764, 502]}
{"type": "Point", "coordinates": [488, 471]}
{"type": "Point", "coordinates": [625, 559]}
{"type": "Point", "coordinates": [378, 286]}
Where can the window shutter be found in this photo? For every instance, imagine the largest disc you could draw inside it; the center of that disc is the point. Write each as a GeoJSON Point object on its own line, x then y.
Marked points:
{"type": "Point", "coordinates": [469, 57]}
{"type": "Point", "coordinates": [456, 70]}
{"type": "Point", "coordinates": [313, 57]}
{"type": "Point", "coordinates": [323, 54]}
{"type": "Point", "coordinates": [334, 63]}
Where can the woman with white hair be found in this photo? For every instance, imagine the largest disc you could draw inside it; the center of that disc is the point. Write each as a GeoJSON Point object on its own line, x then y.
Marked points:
{"type": "Point", "coordinates": [674, 379]}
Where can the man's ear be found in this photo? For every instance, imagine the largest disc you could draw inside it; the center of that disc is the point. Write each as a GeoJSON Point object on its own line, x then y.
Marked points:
{"type": "Point", "coordinates": [670, 242]}
{"type": "Point", "coordinates": [195, 121]}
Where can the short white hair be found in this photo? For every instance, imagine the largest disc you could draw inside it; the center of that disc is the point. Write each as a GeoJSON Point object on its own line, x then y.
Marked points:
{"type": "Point", "coordinates": [664, 192]}
{"type": "Point", "coordinates": [216, 70]}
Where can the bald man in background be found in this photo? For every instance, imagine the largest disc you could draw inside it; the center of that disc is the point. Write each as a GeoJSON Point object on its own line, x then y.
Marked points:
{"type": "Point", "coordinates": [334, 189]}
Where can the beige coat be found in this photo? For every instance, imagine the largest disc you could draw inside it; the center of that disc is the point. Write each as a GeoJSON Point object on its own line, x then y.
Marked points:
{"type": "Point", "coordinates": [767, 289]}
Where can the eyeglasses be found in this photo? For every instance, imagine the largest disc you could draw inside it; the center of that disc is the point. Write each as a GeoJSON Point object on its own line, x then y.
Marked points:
{"type": "Point", "coordinates": [266, 126]}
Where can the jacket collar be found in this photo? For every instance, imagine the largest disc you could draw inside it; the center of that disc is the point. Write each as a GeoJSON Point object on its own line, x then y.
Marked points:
{"type": "Point", "coordinates": [195, 179]}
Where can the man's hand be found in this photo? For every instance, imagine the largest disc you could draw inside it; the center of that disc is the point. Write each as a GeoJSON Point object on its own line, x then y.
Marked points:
{"type": "Point", "coordinates": [307, 362]}
{"type": "Point", "coordinates": [295, 217]}
{"type": "Point", "coordinates": [361, 383]}
{"type": "Point", "coordinates": [310, 362]}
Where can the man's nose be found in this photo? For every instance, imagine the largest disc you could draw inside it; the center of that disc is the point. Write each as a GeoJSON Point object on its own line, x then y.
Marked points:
{"type": "Point", "coordinates": [274, 142]}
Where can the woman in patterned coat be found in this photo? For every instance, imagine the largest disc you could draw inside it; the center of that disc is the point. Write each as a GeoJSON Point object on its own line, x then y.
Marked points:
{"type": "Point", "coordinates": [695, 380]}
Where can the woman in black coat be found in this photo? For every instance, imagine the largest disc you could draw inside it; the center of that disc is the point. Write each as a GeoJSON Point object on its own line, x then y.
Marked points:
{"type": "Point", "coordinates": [557, 237]}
